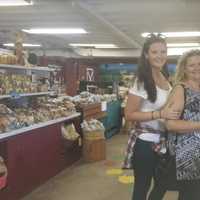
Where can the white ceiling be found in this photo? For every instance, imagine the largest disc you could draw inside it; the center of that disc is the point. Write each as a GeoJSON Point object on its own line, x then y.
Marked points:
{"type": "Point", "coordinates": [108, 21]}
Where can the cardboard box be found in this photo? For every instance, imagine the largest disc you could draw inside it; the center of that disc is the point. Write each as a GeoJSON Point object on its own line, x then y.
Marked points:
{"type": "Point", "coordinates": [91, 111]}
{"type": "Point", "coordinates": [94, 150]}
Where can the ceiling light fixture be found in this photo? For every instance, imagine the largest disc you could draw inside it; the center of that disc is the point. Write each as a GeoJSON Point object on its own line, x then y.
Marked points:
{"type": "Point", "coordinates": [183, 44]}
{"type": "Point", "coordinates": [94, 45]}
{"type": "Point", "coordinates": [179, 51]}
{"type": "Point", "coordinates": [176, 34]}
{"type": "Point", "coordinates": [24, 45]}
{"type": "Point", "coordinates": [16, 2]}
{"type": "Point", "coordinates": [55, 31]}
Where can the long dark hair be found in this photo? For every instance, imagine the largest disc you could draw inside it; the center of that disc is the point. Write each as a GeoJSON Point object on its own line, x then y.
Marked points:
{"type": "Point", "coordinates": [144, 72]}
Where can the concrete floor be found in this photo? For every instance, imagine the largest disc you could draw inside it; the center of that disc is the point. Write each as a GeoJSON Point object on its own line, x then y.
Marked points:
{"type": "Point", "coordinates": [90, 181]}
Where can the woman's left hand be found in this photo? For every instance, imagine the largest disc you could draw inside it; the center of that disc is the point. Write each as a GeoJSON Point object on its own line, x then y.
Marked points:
{"type": "Point", "coordinates": [167, 113]}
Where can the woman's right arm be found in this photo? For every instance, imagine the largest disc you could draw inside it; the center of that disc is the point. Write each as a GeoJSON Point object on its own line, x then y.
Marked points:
{"type": "Point", "coordinates": [176, 102]}
{"type": "Point", "coordinates": [133, 113]}
{"type": "Point", "coordinates": [182, 126]}
{"type": "Point", "coordinates": [132, 110]}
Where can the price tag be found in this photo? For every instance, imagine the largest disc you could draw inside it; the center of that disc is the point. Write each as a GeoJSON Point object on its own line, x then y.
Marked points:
{"type": "Point", "coordinates": [14, 95]}
{"type": "Point", "coordinates": [3, 71]}
{"type": "Point", "coordinates": [103, 106]}
{"type": "Point", "coordinates": [28, 72]}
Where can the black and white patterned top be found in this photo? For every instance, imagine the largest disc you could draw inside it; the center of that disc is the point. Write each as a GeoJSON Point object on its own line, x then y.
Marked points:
{"type": "Point", "coordinates": [188, 145]}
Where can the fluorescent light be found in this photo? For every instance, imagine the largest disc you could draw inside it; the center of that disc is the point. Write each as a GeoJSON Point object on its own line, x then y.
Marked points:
{"type": "Point", "coordinates": [176, 34]}
{"type": "Point", "coordinates": [179, 51]}
{"type": "Point", "coordinates": [24, 45]}
{"type": "Point", "coordinates": [93, 45]}
{"type": "Point", "coordinates": [31, 45]}
{"type": "Point", "coordinates": [55, 31]}
{"type": "Point", "coordinates": [183, 44]}
{"type": "Point", "coordinates": [15, 3]}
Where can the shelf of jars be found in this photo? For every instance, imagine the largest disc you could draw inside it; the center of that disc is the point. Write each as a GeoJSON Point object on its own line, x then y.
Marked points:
{"type": "Point", "coordinates": [21, 81]}
{"type": "Point", "coordinates": [20, 115]}
{"type": "Point", "coordinates": [32, 111]}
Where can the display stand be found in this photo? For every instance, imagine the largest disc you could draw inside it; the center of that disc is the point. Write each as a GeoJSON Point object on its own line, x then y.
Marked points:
{"type": "Point", "coordinates": [113, 120]}
{"type": "Point", "coordinates": [38, 152]}
{"type": "Point", "coordinates": [94, 149]}
{"type": "Point", "coordinates": [34, 156]}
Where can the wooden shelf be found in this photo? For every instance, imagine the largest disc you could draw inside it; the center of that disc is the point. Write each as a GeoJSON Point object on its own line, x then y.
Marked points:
{"type": "Point", "coordinates": [18, 67]}
{"type": "Point", "coordinates": [26, 94]}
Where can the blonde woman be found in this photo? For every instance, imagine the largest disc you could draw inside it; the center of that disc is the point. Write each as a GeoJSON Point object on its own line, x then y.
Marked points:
{"type": "Point", "coordinates": [185, 137]}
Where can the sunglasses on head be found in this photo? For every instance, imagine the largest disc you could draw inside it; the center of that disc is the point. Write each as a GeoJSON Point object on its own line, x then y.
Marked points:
{"type": "Point", "coordinates": [156, 35]}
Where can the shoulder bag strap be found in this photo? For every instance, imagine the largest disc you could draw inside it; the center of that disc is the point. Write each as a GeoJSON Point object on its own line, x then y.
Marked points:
{"type": "Point", "coordinates": [181, 117]}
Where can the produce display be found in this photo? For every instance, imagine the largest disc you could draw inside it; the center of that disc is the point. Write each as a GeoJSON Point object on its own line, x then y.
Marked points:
{"type": "Point", "coordinates": [88, 98]}
{"type": "Point", "coordinates": [92, 125]}
{"type": "Point", "coordinates": [93, 129]}
{"type": "Point", "coordinates": [46, 109]}
{"type": "Point", "coordinates": [18, 111]}
{"type": "Point", "coordinates": [127, 79]}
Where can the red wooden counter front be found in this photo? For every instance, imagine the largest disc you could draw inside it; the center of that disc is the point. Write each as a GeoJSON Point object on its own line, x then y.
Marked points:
{"type": "Point", "coordinates": [35, 156]}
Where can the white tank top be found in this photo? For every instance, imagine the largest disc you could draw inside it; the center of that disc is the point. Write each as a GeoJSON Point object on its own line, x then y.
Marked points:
{"type": "Point", "coordinates": [148, 106]}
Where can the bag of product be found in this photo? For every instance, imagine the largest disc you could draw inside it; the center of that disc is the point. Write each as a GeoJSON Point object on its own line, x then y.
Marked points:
{"type": "Point", "coordinates": [69, 132]}
{"type": "Point", "coordinates": [3, 173]}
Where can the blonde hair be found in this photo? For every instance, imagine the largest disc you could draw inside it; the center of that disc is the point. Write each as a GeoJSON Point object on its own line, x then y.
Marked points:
{"type": "Point", "coordinates": [180, 75]}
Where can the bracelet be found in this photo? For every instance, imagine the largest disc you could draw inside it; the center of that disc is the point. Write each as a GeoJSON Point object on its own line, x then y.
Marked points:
{"type": "Point", "coordinates": [158, 116]}
{"type": "Point", "coordinates": [152, 117]}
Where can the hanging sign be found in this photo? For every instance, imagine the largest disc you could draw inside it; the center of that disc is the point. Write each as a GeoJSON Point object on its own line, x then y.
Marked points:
{"type": "Point", "coordinates": [90, 74]}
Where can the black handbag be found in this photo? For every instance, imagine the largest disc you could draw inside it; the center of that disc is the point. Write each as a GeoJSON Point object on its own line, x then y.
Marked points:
{"type": "Point", "coordinates": [165, 172]}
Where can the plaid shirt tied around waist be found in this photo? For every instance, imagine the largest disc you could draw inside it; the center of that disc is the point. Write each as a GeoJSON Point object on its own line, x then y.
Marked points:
{"type": "Point", "coordinates": [133, 134]}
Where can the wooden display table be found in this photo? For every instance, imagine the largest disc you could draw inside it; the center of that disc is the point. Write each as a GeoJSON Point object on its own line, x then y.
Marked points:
{"type": "Point", "coordinates": [91, 111]}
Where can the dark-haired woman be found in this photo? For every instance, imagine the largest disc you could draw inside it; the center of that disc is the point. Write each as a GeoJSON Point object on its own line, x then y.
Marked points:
{"type": "Point", "coordinates": [145, 108]}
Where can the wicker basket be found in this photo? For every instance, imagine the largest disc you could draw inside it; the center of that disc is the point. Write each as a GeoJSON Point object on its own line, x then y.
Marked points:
{"type": "Point", "coordinates": [94, 150]}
